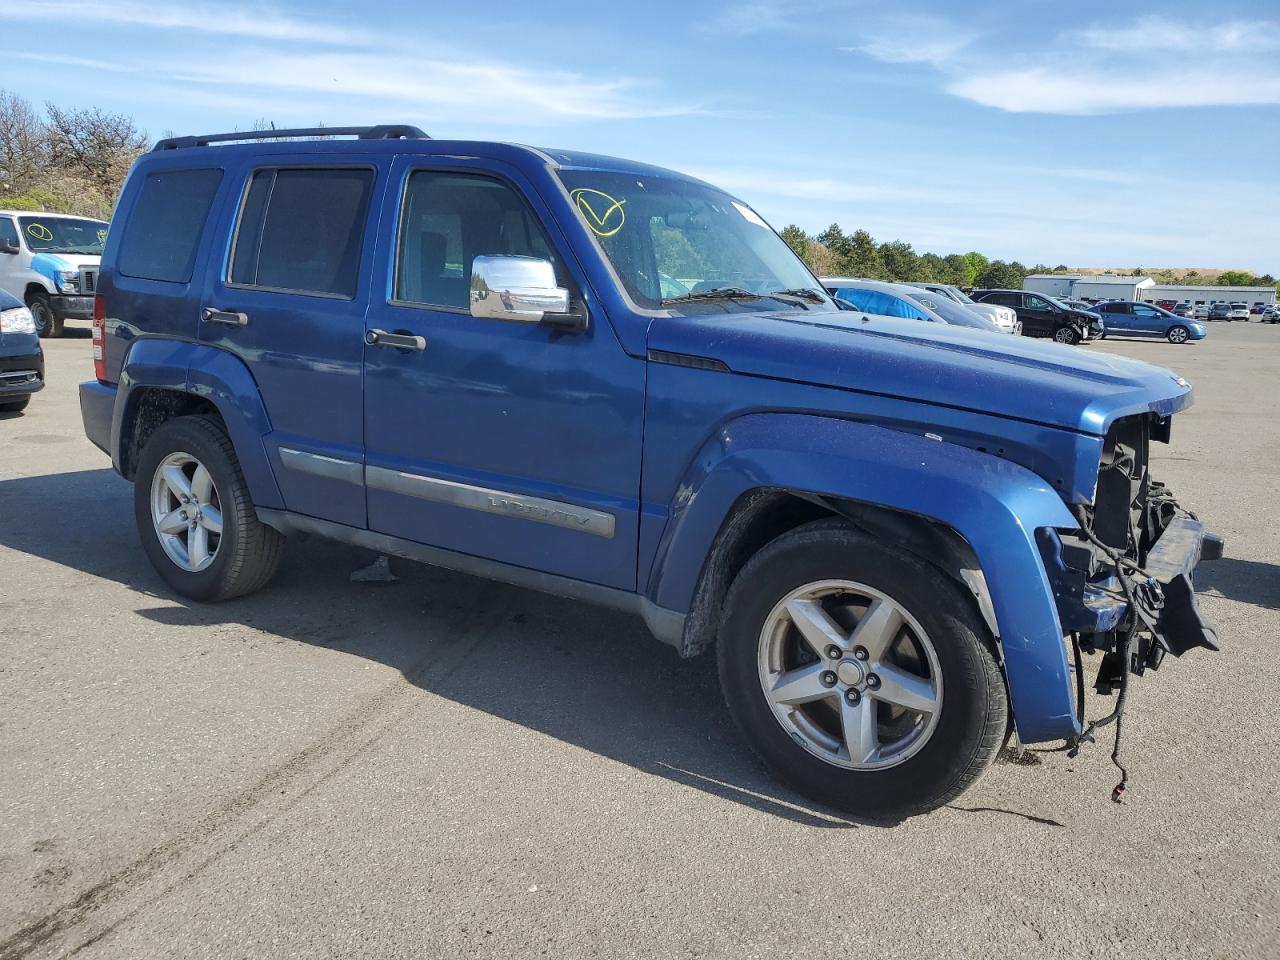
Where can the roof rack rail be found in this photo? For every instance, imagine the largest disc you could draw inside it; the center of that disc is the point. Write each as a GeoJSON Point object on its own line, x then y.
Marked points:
{"type": "Point", "coordinates": [381, 132]}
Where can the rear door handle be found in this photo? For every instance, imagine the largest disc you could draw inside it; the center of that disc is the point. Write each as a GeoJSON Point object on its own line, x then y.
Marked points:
{"type": "Point", "coordinates": [401, 341]}
{"type": "Point", "coordinates": [228, 317]}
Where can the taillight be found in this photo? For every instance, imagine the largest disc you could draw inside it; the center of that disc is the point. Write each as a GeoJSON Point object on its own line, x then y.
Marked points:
{"type": "Point", "coordinates": [99, 339]}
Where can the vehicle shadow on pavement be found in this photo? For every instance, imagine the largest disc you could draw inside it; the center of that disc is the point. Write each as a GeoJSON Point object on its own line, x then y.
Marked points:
{"type": "Point", "coordinates": [1248, 581]}
{"type": "Point", "coordinates": [589, 677]}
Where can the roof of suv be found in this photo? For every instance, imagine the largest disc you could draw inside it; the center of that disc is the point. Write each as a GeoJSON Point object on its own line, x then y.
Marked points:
{"type": "Point", "coordinates": [399, 140]}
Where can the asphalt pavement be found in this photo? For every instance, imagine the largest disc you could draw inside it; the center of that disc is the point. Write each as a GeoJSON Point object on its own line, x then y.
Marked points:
{"type": "Point", "coordinates": [445, 767]}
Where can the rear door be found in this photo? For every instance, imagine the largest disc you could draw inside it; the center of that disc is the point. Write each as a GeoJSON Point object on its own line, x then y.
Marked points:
{"type": "Point", "coordinates": [1117, 317]}
{"type": "Point", "coordinates": [289, 301]}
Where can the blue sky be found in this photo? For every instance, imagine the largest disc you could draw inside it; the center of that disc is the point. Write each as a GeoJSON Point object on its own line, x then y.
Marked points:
{"type": "Point", "coordinates": [1100, 135]}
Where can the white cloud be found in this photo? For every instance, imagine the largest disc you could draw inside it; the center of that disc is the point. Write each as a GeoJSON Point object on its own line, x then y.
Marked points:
{"type": "Point", "coordinates": [1143, 64]}
{"type": "Point", "coordinates": [439, 89]}
{"type": "Point", "coordinates": [1084, 89]}
{"type": "Point", "coordinates": [914, 39]}
{"type": "Point", "coordinates": [195, 16]}
{"type": "Point", "coordinates": [1155, 33]}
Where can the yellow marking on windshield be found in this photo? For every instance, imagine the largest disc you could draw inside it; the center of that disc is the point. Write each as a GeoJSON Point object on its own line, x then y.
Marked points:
{"type": "Point", "coordinates": [599, 212]}
{"type": "Point", "coordinates": [40, 231]}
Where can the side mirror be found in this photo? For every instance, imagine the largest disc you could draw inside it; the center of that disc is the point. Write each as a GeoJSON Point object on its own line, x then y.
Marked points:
{"type": "Point", "coordinates": [520, 288]}
{"type": "Point", "coordinates": [8, 246]}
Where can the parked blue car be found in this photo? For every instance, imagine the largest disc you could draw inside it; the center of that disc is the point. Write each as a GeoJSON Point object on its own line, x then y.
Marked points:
{"type": "Point", "coordinates": [1131, 318]}
{"type": "Point", "coordinates": [473, 354]}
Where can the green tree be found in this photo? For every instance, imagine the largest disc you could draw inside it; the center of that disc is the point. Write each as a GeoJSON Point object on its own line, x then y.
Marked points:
{"type": "Point", "coordinates": [796, 239]}
{"type": "Point", "coordinates": [977, 263]}
{"type": "Point", "coordinates": [1237, 278]}
{"type": "Point", "coordinates": [959, 271]}
{"type": "Point", "coordinates": [898, 259]}
{"type": "Point", "coordinates": [1002, 275]}
{"type": "Point", "coordinates": [863, 258]}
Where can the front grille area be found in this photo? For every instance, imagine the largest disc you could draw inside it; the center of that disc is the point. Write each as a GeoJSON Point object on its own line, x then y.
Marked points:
{"type": "Point", "coordinates": [1123, 486]}
{"type": "Point", "coordinates": [88, 281]}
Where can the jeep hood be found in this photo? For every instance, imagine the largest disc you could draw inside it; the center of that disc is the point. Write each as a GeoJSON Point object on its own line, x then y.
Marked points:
{"type": "Point", "coordinates": [1073, 388]}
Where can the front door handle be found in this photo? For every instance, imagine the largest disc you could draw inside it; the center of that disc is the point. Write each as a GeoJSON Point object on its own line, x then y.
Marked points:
{"type": "Point", "coordinates": [228, 317]}
{"type": "Point", "coordinates": [401, 341]}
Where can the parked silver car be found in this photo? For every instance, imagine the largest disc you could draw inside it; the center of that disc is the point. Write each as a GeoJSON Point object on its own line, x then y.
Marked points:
{"type": "Point", "coordinates": [1003, 317]}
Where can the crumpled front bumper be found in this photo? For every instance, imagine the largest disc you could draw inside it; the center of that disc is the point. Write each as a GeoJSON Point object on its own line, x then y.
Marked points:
{"type": "Point", "coordinates": [1097, 609]}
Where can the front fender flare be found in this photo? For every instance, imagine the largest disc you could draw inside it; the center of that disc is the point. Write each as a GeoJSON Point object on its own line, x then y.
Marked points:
{"type": "Point", "coordinates": [995, 505]}
{"type": "Point", "coordinates": [214, 375]}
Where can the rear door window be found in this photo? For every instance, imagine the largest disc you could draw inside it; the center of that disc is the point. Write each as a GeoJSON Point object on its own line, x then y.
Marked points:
{"type": "Point", "coordinates": [8, 232]}
{"type": "Point", "coordinates": [302, 230]}
{"type": "Point", "coordinates": [162, 232]}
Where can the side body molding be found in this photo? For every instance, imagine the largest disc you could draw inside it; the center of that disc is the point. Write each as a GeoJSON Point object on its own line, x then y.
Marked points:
{"type": "Point", "coordinates": [211, 374]}
{"type": "Point", "coordinates": [995, 505]}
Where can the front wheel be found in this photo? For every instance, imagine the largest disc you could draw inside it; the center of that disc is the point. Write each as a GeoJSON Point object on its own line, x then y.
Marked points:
{"type": "Point", "coordinates": [1066, 335]}
{"type": "Point", "coordinates": [48, 323]}
{"type": "Point", "coordinates": [195, 516]}
{"type": "Point", "coordinates": [1178, 334]}
{"type": "Point", "coordinates": [14, 406]}
{"type": "Point", "coordinates": [860, 674]}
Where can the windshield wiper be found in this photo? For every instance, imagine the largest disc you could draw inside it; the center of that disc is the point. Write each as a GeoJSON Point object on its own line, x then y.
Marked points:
{"type": "Point", "coordinates": [717, 293]}
{"type": "Point", "coordinates": [804, 293]}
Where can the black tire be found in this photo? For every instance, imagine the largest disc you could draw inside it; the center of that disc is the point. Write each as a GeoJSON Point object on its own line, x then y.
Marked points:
{"type": "Point", "coordinates": [48, 323]}
{"type": "Point", "coordinates": [974, 715]}
{"type": "Point", "coordinates": [14, 406]}
{"type": "Point", "coordinates": [1178, 334]}
{"type": "Point", "coordinates": [1066, 335]}
{"type": "Point", "coordinates": [249, 551]}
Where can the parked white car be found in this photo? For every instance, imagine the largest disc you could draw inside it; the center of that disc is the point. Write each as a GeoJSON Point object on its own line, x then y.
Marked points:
{"type": "Point", "coordinates": [50, 262]}
{"type": "Point", "coordinates": [1201, 311]}
{"type": "Point", "coordinates": [1240, 311]}
{"type": "Point", "coordinates": [1003, 317]}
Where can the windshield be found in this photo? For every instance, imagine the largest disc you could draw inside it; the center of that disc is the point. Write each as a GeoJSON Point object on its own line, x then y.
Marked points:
{"type": "Point", "coordinates": [954, 313]}
{"type": "Point", "coordinates": [63, 235]}
{"type": "Point", "coordinates": [688, 247]}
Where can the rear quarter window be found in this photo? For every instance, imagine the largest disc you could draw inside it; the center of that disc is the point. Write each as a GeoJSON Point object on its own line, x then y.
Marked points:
{"type": "Point", "coordinates": [162, 232]}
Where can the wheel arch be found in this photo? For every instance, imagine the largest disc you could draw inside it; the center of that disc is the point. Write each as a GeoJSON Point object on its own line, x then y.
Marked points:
{"type": "Point", "coordinates": [970, 513]}
{"type": "Point", "coordinates": [164, 378]}
{"type": "Point", "coordinates": [762, 515]}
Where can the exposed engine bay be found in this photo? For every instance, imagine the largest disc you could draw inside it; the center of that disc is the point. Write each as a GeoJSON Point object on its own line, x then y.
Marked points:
{"type": "Point", "coordinates": [1123, 581]}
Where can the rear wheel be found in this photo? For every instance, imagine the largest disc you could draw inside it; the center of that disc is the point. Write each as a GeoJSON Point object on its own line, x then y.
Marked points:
{"type": "Point", "coordinates": [1178, 334]}
{"type": "Point", "coordinates": [195, 516]}
{"type": "Point", "coordinates": [1066, 335]}
{"type": "Point", "coordinates": [861, 675]}
{"type": "Point", "coordinates": [48, 323]}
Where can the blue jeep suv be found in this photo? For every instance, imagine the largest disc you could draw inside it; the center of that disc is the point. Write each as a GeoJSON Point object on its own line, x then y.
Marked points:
{"type": "Point", "coordinates": [616, 383]}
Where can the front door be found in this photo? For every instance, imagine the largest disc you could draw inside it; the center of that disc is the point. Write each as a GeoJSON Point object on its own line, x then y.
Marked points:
{"type": "Point", "coordinates": [1149, 321]}
{"type": "Point", "coordinates": [512, 441]}
{"type": "Point", "coordinates": [1040, 313]}
{"type": "Point", "coordinates": [290, 302]}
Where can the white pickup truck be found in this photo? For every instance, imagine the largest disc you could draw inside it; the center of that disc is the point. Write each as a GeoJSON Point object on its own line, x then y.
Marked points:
{"type": "Point", "coordinates": [50, 262]}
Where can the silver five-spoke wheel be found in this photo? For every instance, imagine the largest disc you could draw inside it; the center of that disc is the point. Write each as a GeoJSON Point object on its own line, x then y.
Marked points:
{"type": "Point", "coordinates": [851, 675]}
{"type": "Point", "coordinates": [186, 511]}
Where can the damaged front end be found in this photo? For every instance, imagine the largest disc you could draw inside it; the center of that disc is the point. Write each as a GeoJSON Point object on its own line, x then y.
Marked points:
{"type": "Point", "coordinates": [1122, 582]}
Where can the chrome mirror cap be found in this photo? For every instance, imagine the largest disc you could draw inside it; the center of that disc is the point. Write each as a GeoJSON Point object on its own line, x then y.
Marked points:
{"type": "Point", "coordinates": [515, 288]}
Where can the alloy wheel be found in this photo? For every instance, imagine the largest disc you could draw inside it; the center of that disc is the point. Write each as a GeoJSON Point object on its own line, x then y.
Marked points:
{"type": "Point", "coordinates": [186, 512]}
{"type": "Point", "coordinates": [850, 675]}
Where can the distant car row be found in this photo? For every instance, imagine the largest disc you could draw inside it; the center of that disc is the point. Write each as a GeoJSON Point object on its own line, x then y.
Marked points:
{"type": "Point", "coordinates": [1026, 313]}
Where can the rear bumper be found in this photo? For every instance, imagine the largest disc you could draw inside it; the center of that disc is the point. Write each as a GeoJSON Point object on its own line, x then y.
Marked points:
{"type": "Point", "coordinates": [97, 409]}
